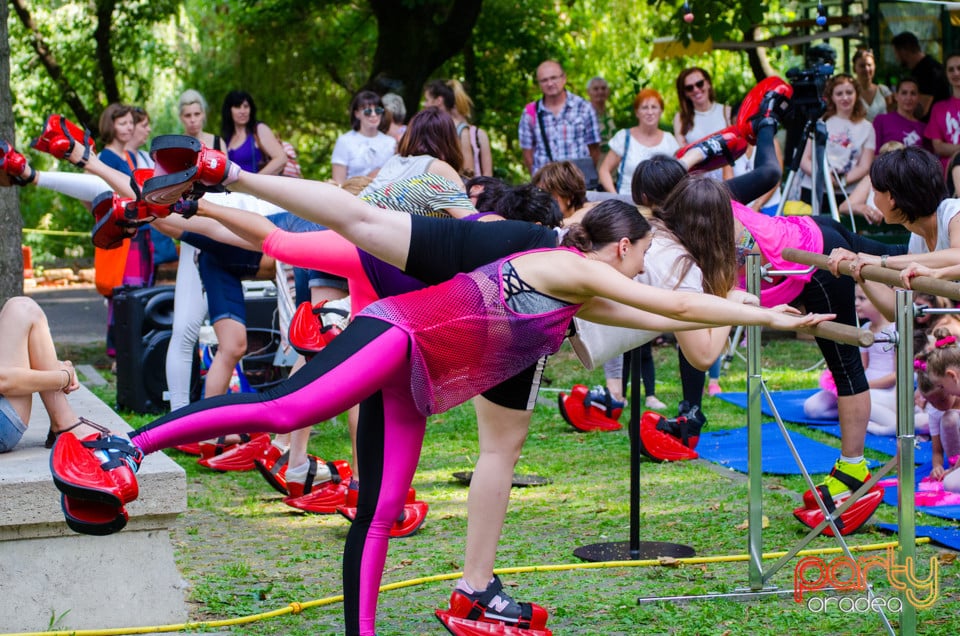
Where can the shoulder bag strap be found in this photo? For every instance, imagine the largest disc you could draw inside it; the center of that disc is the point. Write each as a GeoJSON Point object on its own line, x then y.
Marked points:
{"type": "Point", "coordinates": [623, 160]}
{"type": "Point", "coordinates": [543, 130]}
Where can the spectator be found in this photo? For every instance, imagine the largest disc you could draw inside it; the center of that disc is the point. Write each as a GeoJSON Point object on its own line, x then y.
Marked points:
{"type": "Point", "coordinates": [943, 127]}
{"type": "Point", "coordinates": [250, 142]}
{"type": "Point", "coordinates": [395, 112]}
{"type": "Point", "coordinates": [929, 73]}
{"type": "Point", "coordinates": [599, 92]}
{"type": "Point", "coordinates": [630, 146]}
{"type": "Point", "coordinates": [450, 97]}
{"type": "Point", "coordinates": [901, 124]}
{"type": "Point", "coordinates": [877, 98]}
{"type": "Point", "coordinates": [559, 125]}
{"type": "Point", "coordinates": [116, 131]}
{"type": "Point", "coordinates": [164, 249]}
{"type": "Point", "coordinates": [850, 143]}
{"type": "Point", "coordinates": [193, 117]}
{"type": "Point", "coordinates": [28, 365]}
{"type": "Point", "coordinates": [141, 133]}
{"type": "Point", "coordinates": [700, 114]}
{"type": "Point", "coordinates": [130, 265]}
{"type": "Point", "coordinates": [364, 149]}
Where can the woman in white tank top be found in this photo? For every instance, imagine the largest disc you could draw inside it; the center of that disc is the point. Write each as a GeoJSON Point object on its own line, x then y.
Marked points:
{"type": "Point", "coordinates": [700, 114]}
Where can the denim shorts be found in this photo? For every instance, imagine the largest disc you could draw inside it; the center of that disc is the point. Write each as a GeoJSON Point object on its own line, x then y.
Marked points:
{"type": "Point", "coordinates": [222, 267]}
{"type": "Point", "coordinates": [11, 426]}
{"type": "Point", "coordinates": [306, 277]}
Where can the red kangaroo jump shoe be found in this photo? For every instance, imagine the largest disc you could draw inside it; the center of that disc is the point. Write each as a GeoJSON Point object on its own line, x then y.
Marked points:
{"type": "Point", "coordinates": [101, 468]}
{"type": "Point", "coordinates": [92, 517]}
{"type": "Point", "coordinates": [239, 457]}
{"type": "Point", "coordinates": [719, 149]}
{"type": "Point", "coordinates": [587, 410]}
{"type": "Point", "coordinates": [766, 102]}
{"type": "Point", "coordinates": [308, 334]}
{"type": "Point", "coordinates": [59, 137]}
{"type": "Point", "coordinates": [851, 520]}
{"type": "Point", "coordinates": [273, 467]}
{"type": "Point", "coordinates": [661, 446]}
{"type": "Point", "coordinates": [492, 611]}
{"type": "Point", "coordinates": [180, 161]}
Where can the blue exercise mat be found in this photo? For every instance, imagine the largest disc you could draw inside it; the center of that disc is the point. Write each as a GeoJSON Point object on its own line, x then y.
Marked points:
{"type": "Point", "coordinates": [728, 447]}
{"type": "Point", "coordinates": [942, 511]}
{"type": "Point", "coordinates": [789, 405]}
{"type": "Point", "coordinates": [947, 537]}
{"type": "Point", "coordinates": [922, 453]}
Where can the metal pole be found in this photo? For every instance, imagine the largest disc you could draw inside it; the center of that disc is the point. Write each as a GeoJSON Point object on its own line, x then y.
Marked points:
{"type": "Point", "coordinates": [905, 440]}
{"type": "Point", "coordinates": [754, 437]}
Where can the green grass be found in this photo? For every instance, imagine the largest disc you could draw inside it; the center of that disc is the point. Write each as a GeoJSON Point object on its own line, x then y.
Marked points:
{"type": "Point", "coordinates": [243, 551]}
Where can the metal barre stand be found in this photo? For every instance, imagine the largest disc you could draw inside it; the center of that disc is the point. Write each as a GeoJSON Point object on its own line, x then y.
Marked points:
{"type": "Point", "coordinates": [634, 549]}
{"type": "Point", "coordinates": [905, 312]}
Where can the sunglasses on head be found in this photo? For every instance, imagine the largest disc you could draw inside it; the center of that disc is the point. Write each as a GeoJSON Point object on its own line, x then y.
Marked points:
{"type": "Point", "coordinates": [695, 86]}
{"type": "Point", "coordinates": [370, 111]}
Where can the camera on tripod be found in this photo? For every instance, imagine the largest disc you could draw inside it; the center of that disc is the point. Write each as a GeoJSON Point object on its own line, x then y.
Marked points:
{"type": "Point", "coordinates": [808, 102]}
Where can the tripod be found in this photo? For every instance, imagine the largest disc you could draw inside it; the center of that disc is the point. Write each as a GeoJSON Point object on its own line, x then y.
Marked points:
{"type": "Point", "coordinates": [814, 129]}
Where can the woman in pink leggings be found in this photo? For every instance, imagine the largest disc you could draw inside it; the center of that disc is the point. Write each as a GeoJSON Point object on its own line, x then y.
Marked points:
{"type": "Point", "coordinates": [417, 354]}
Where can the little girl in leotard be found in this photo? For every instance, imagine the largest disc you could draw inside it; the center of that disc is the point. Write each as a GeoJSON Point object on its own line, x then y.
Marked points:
{"type": "Point", "coordinates": [942, 396]}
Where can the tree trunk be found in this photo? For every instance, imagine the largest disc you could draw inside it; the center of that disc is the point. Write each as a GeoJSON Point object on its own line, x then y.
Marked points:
{"type": "Point", "coordinates": [11, 254]}
{"type": "Point", "coordinates": [414, 39]}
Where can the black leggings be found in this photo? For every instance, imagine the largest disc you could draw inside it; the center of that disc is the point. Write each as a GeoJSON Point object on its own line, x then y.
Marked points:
{"type": "Point", "coordinates": [826, 293]}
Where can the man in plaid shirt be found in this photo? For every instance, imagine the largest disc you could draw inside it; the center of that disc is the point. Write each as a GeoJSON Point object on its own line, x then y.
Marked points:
{"type": "Point", "coordinates": [570, 123]}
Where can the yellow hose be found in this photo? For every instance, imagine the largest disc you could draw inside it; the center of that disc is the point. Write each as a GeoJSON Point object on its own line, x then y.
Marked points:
{"type": "Point", "coordinates": [296, 608]}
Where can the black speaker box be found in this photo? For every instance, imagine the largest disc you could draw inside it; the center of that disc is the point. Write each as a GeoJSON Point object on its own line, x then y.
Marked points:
{"type": "Point", "coordinates": [143, 323]}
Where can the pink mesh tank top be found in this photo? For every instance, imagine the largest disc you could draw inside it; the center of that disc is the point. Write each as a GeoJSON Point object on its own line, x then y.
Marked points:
{"type": "Point", "coordinates": [465, 339]}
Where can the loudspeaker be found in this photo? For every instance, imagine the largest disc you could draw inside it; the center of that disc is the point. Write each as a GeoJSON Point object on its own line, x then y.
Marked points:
{"type": "Point", "coordinates": [143, 323]}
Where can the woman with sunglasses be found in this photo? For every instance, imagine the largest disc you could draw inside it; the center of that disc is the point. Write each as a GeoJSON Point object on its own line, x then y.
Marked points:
{"type": "Point", "coordinates": [365, 148]}
{"type": "Point", "coordinates": [700, 114]}
{"type": "Point", "coordinates": [250, 143]}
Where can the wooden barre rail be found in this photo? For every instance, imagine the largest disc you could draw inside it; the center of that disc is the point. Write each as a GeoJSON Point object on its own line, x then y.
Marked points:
{"type": "Point", "coordinates": [887, 276]}
{"type": "Point", "coordinates": [847, 334]}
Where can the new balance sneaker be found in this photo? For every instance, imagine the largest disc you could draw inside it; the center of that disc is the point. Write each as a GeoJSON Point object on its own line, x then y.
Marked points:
{"type": "Point", "coordinates": [493, 605]}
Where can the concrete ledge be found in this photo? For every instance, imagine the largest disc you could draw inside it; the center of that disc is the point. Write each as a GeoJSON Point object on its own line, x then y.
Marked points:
{"type": "Point", "coordinates": [53, 577]}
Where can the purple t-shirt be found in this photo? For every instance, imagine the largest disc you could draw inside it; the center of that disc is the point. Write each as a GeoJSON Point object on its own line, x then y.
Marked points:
{"type": "Point", "coordinates": [944, 124]}
{"type": "Point", "coordinates": [896, 127]}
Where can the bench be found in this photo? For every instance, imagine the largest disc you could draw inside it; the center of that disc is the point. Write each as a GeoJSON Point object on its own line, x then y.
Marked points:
{"type": "Point", "coordinates": [53, 578]}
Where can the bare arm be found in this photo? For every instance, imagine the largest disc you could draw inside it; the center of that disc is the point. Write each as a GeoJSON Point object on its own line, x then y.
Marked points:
{"type": "Point", "coordinates": [339, 172]}
{"type": "Point", "coordinates": [528, 159]}
{"type": "Point", "coordinates": [271, 146]}
{"type": "Point", "coordinates": [486, 156]}
{"type": "Point", "coordinates": [605, 171]}
{"type": "Point", "coordinates": [576, 279]}
{"type": "Point", "coordinates": [681, 138]}
{"type": "Point", "coordinates": [16, 381]}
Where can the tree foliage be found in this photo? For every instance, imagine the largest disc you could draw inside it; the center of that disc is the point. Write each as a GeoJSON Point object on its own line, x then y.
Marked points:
{"type": "Point", "coordinates": [302, 62]}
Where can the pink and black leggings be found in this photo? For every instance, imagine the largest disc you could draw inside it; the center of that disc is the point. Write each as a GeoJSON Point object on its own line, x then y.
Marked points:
{"type": "Point", "coordinates": [368, 363]}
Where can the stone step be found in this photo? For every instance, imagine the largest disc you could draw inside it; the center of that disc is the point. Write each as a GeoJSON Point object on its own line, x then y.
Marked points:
{"type": "Point", "coordinates": [53, 578]}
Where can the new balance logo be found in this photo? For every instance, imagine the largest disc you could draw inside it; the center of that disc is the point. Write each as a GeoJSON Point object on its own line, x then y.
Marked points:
{"type": "Point", "coordinates": [498, 604]}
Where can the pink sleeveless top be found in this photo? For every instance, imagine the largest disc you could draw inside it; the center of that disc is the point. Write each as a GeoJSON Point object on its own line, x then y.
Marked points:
{"type": "Point", "coordinates": [464, 337]}
{"type": "Point", "coordinates": [773, 234]}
